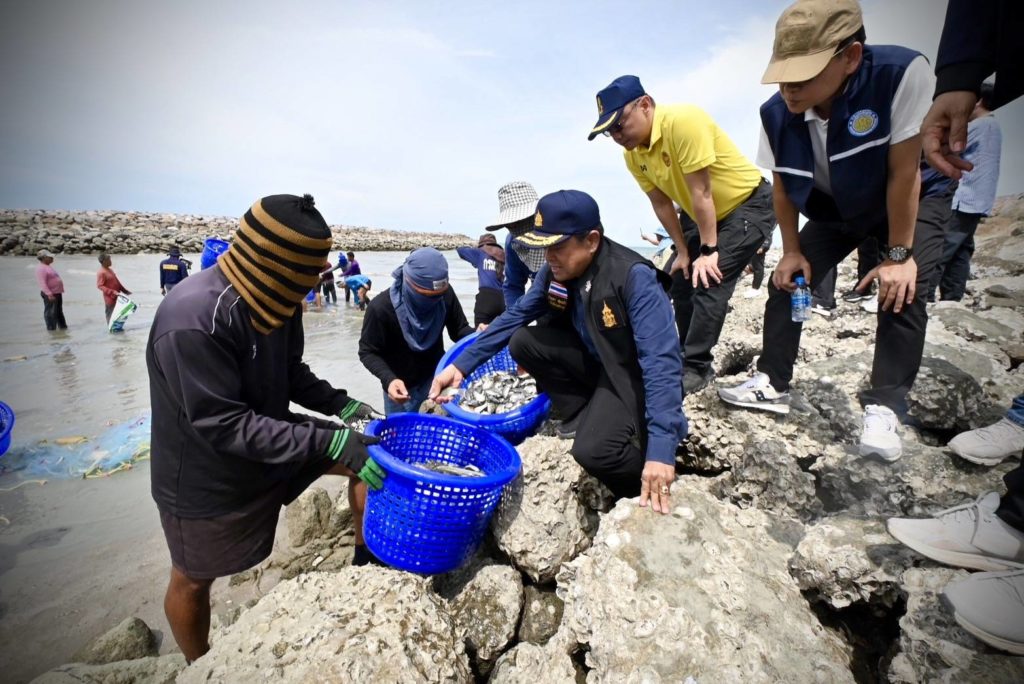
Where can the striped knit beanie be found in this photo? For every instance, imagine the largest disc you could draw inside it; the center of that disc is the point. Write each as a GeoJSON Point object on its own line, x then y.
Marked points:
{"type": "Point", "coordinates": [276, 257]}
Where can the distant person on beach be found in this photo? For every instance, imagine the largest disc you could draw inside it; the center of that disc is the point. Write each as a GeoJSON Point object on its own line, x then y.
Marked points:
{"type": "Point", "coordinates": [108, 283]}
{"type": "Point", "coordinates": [859, 180]}
{"type": "Point", "coordinates": [225, 361]}
{"type": "Point", "coordinates": [313, 299]}
{"type": "Point", "coordinates": [975, 195]}
{"type": "Point", "coordinates": [666, 253]}
{"type": "Point", "coordinates": [173, 270]}
{"type": "Point", "coordinates": [517, 202]}
{"type": "Point", "coordinates": [351, 269]}
{"type": "Point", "coordinates": [327, 283]}
{"type": "Point", "coordinates": [359, 286]}
{"type": "Point", "coordinates": [488, 258]}
{"type": "Point", "coordinates": [610, 361]}
{"type": "Point", "coordinates": [51, 289]}
{"type": "Point", "coordinates": [679, 156]}
{"type": "Point", "coordinates": [402, 338]}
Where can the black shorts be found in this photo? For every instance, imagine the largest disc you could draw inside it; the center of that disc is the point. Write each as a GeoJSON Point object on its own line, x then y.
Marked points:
{"type": "Point", "coordinates": [207, 548]}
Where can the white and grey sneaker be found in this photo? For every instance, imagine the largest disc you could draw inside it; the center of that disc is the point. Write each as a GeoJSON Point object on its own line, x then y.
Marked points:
{"type": "Point", "coordinates": [751, 293]}
{"type": "Point", "coordinates": [990, 605]}
{"type": "Point", "coordinates": [879, 436]}
{"type": "Point", "coordinates": [990, 445]}
{"type": "Point", "coordinates": [758, 393]}
{"type": "Point", "coordinates": [970, 536]}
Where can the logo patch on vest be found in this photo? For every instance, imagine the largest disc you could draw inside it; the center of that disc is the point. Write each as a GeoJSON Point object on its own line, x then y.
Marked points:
{"type": "Point", "coordinates": [862, 123]}
{"type": "Point", "coordinates": [558, 296]}
{"type": "Point", "coordinates": [665, 158]}
{"type": "Point", "coordinates": [611, 314]}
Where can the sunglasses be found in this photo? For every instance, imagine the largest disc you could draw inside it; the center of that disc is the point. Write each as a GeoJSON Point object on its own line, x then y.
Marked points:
{"type": "Point", "coordinates": [617, 126]}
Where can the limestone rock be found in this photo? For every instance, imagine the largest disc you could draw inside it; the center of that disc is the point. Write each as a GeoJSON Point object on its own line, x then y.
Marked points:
{"type": "Point", "coordinates": [359, 624]}
{"type": "Point", "coordinates": [924, 480]}
{"type": "Point", "coordinates": [542, 615]}
{"type": "Point", "coordinates": [129, 640]}
{"type": "Point", "coordinates": [487, 610]}
{"type": "Point", "coordinates": [308, 516]}
{"type": "Point", "coordinates": [702, 593]}
{"type": "Point", "coordinates": [944, 397]}
{"type": "Point", "coordinates": [934, 648]}
{"type": "Point", "coordinates": [546, 515]}
{"type": "Point", "coordinates": [162, 670]}
{"type": "Point", "coordinates": [536, 664]}
{"type": "Point", "coordinates": [845, 560]}
{"type": "Point", "coordinates": [769, 477]}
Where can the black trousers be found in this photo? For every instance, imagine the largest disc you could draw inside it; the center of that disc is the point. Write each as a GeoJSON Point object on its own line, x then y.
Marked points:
{"type": "Point", "coordinates": [330, 294]}
{"type": "Point", "coordinates": [757, 265]}
{"type": "Point", "coordinates": [899, 339]}
{"type": "Point", "coordinates": [53, 312]}
{"type": "Point", "coordinates": [490, 304]}
{"type": "Point", "coordinates": [955, 268]}
{"type": "Point", "coordinates": [867, 258]}
{"type": "Point", "coordinates": [1011, 506]}
{"type": "Point", "coordinates": [700, 312]}
{"type": "Point", "coordinates": [608, 442]}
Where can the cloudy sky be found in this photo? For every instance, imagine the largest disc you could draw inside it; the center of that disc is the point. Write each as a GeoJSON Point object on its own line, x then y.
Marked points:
{"type": "Point", "coordinates": [404, 115]}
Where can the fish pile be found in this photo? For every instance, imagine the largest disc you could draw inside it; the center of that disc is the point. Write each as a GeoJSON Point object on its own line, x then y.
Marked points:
{"type": "Point", "coordinates": [445, 468]}
{"type": "Point", "coordinates": [498, 393]}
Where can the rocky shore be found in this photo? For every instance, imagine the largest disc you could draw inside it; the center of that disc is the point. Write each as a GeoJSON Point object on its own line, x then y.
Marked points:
{"type": "Point", "coordinates": [773, 566]}
{"type": "Point", "coordinates": [25, 232]}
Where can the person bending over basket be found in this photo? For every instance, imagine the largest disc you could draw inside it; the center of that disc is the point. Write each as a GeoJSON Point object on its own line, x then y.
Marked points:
{"type": "Point", "coordinates": [225, 360]}
{"type": "Point", "coordinates": [613, 370]}
{"type": "Point", "coordinates": [401, 340]}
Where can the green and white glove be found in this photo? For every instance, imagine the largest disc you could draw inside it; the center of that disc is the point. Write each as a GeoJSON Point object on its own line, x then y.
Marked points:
{"type": "Point", "coordinates": [348, 447]}
{"type": "Point", "coordinates": [357, 410]}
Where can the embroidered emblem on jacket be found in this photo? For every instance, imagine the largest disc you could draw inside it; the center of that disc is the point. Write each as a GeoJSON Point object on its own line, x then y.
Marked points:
{"type": "Point", "coordinates": [608, 317]}
{"type": "Point", "coordinates": [558, 296]}
{"type": "Point", "coordinates": [862, 123]}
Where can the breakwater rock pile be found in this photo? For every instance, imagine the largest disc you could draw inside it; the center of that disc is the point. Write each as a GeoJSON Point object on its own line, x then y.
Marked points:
{"type": "Point", "coordinates": [25, 232]}
{"type": "Point", "coordinates": [774, 564]}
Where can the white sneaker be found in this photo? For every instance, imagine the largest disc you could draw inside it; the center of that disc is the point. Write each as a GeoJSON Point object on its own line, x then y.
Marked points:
{"type": "Point", "coordinates": [879, 436]}
{"type": "Point", "coordinates": [989, 445]}
{"type": "Point", "coordinates": [870, 305]}
{"type": "Point", "coordinates": [990, 605]}
{"type": "Point", "coordinates": [821, 310]}
{"type": "Point", "coordinates": [758, 393]}
{"type": "Point", "coordinates": [751, 293]}
{"type": "Point", "coordinates": [970, 536]}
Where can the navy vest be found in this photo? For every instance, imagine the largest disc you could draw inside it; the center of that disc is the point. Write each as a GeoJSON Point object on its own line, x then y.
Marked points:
{"type": "Point", "coordinates": [603, 289]}
{"type": "Point", "coordinates": [859, 131]}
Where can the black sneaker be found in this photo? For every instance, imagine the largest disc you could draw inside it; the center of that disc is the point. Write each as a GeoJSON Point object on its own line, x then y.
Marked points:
{"type": "Point", "coordinates": [854, 296]}
{"type": "Point", "coordinates": [567, 428]}
{"type": "Point", "coordinates": [695, 381]}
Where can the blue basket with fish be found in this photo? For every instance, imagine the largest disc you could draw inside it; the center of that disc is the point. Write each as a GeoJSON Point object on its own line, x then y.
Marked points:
{"type": "Point", "coordinates": [444, 479]}
{"type": "Point", "coordinates": [515, 426]}
{"type": "Point", "coordinates": [6, 426]}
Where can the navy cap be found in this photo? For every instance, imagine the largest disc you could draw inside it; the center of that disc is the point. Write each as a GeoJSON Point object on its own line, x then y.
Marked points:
{"type": "Point", "coordinates": [559, 216]}
{"type": "Point", "coordinates": [612, 99]}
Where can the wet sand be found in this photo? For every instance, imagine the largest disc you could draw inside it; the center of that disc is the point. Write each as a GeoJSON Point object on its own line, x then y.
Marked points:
{"type": "Point", "coordinates": [78, 556]}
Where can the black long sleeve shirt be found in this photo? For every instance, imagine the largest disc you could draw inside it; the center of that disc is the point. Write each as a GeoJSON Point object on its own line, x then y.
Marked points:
{"type": "Point", "coordinates": [384, 351]}
{"type": "Point", "coordinates": [222, 431]}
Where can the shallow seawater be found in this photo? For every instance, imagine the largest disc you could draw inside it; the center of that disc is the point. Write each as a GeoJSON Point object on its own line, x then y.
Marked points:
{"type": "Point", "coordinates": [88, 382]}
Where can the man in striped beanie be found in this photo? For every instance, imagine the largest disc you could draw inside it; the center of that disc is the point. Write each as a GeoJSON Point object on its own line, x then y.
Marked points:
{"type": "Point", "coordinates": [225, 361]}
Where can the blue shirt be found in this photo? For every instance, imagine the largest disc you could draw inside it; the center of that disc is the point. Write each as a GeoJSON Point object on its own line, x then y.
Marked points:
{"type": "Point", "coordinates": [977, 190]}
{"type": "Point", "coordinates": [657, 342]}
{"type": "Point", "coordinates": [486, 266]}
{"type": "Point", "coordinates": [353, 283]}
{"type": "Point", "coordinates": [516, 275]}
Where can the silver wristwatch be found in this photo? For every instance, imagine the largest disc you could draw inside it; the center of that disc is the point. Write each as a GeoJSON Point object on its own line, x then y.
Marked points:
{"type": "Point", "coordinates": [898, 254]}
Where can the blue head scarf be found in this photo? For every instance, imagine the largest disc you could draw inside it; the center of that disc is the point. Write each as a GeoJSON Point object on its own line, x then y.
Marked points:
{"type": "Point", "coordinates": [420, 316]}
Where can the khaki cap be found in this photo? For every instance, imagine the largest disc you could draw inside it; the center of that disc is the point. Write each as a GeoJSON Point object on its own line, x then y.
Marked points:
{"type": "Point", "coordinates": [806, 37]}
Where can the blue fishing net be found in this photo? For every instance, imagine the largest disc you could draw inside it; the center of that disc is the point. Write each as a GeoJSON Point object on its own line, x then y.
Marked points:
{"type": "Point", "coordinates": [116, 449]}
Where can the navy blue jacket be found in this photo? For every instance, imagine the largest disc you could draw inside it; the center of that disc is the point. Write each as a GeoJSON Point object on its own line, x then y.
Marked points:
{"type": "Point", "coordinates": [516, 274]}
{"type": "Point", "coordinates": [857, 143]}
{"type": "Point", "coordinates": [172, 271]}
{"type": "Point", "coordinates": [981, 37]}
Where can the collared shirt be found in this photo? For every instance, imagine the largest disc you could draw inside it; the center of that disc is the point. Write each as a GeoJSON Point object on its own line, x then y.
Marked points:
{"type": "Point", "coordinates": [977, 190]}
{"type": "Point", "coordinates": [108, 283]}
{"type": "Point", "coordinates": [50, 282]}
{"type": "Point", "coordinates": [657, 343]}
{"type": "Point", "coordinates": [685, 139]}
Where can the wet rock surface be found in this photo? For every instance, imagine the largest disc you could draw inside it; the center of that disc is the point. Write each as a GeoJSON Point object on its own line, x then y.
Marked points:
{"type": "Point", "coordinates": [129, 640]}
{"type": "Point", "coordinates": [162, 670]}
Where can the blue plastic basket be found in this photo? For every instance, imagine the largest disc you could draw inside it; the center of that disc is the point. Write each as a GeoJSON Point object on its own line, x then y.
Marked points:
{"type": "Point", "coordinates": [514, 426]}
{"type": "Point", "coordinates": [6, 425]}
{"type": "Point", "coordinates": [212, 249]}
{"type": "Point", "coordinates": [428, 522]}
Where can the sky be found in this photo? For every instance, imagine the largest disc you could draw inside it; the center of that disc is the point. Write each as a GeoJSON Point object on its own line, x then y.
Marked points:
{"type": "Point", "coordinates": [398, 115]}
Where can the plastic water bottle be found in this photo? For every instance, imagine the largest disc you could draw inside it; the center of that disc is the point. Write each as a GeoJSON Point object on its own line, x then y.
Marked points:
{"type": "Point", "coordinates": [800, 301]}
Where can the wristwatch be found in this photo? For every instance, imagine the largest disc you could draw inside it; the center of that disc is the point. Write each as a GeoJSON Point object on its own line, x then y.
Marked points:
{"type": "Point", "coordinates": [708, 250]}
{"type": "Point", "coordinates": [898, 254]}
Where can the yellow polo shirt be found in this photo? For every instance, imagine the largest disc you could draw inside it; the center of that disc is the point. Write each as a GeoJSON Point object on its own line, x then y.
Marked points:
{"type": "Point", "coordinates": [684, 139]}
